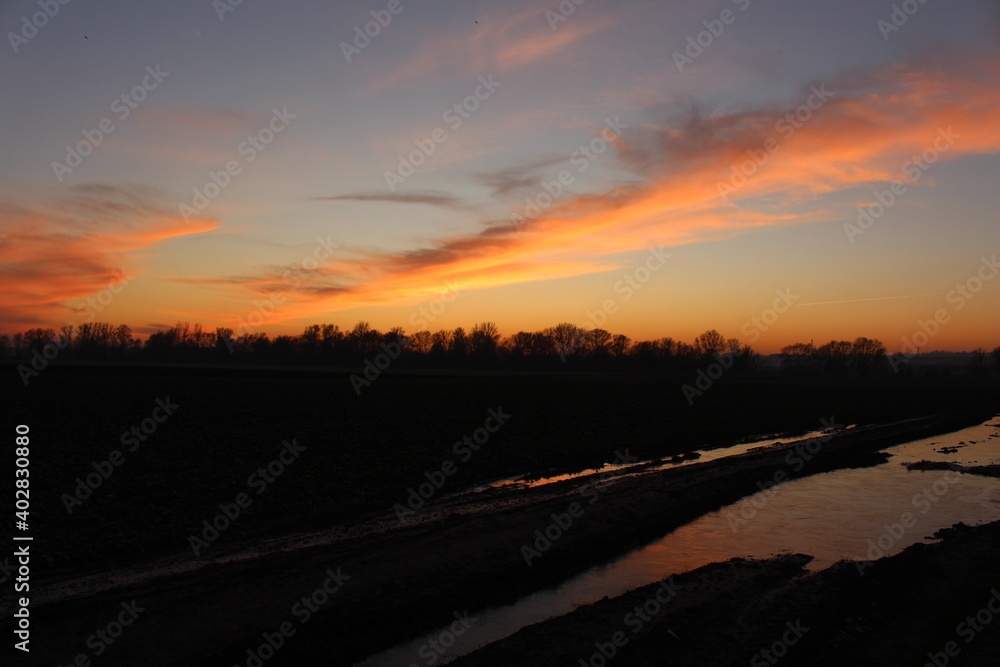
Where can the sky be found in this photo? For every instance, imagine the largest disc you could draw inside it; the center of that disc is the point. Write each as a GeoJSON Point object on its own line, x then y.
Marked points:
{"type": "Point", "coordinates": [777, 170]}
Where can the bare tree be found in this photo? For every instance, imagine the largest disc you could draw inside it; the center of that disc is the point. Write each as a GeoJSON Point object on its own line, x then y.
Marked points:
{"type": "Point", "coordinates": [364, 339]}
{"type": "Point", "coordinates": [835, 356]}
{"type": "Point", "coordinates": [422, 341]}
{"type": "Point", "coordinates": [668, 346]}
{"type": "Point", "coordinates": [223, 337]}
{"type": "Point", "coordinates": [735, 347]}
{"type": "Point", "coordinates": [36, 339]}
{"type": "Point", "coordinates": [311, 337]}
{"type": "Point", "coordinates": [542, 343]}
{"type": "Point", "coordinates": [94, 336]}
{"type": "Point", "coordinates": [484, 338]}
{"type": "Point", "coordinates": [598, 341]}
{"type": "Point", "coordinates": [867, 354]}
{"type": "Point", "coordinates": [182, 333]}
{"type": "Point", "coordinates": [331, 334]}
{"type": "Point", "coordinates": [685, 351]}
{"type": "Point", "coordinates": [797, 357]}
{"type": "Point", "coordinates": [647, 350]}
{"type": "Point", "coordinates": [620, 345]}
{"type": "Point", "coordinates": [519, 344]}
{"type": "Point", "coordinates": [710, 342]}
{"type": "Point", "coordinates": [567, 338]}
{"type": "Point", "coordinates": [121, 337]}
{"type": "Point", "coordinates": [441, 341]}
{"type": "Point", "coordinates": [66, 334]}
{"type": "Point", "coordinates": [396, 335]}
{"type": "Point", "coordinates": [459, 342]}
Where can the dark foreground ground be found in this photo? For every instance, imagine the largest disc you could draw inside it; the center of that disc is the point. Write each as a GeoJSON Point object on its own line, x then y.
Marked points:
{"type": "Point", "coordinates": [936, 604]}
{"type": "Point", "coordinates": [390, 586]}
{"type": "Point", "coordinates": [362, 454]}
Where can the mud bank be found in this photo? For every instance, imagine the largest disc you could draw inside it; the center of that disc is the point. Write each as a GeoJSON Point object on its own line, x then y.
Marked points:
{"type": "Point", "coordinates": [985, 471]}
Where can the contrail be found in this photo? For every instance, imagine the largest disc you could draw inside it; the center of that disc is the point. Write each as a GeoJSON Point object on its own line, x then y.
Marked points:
{"type": "Point", "coordinates": [877, 298]}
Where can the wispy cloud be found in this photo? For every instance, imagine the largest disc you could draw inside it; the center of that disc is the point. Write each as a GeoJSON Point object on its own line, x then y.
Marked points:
{"type": "Point", "coordinates": [518, 177]}
{"type": "Point", "coordinates": [77, 244]}
{"type": "Point", "coordinates": [874, 298]}
{"type": "Point", "coordinates": [502, 42]}
{"type": "Point", "coordinates": [442, 199]}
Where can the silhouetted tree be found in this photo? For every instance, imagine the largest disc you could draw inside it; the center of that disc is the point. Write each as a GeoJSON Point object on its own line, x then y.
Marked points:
{"type": "Point", "coordinates": [541, 344]}
{"type": "Point", "coordinates": [312, 339]}
{"type": "Point", "coordinates": [710, 342]}
{"type": "Point", "coordinates": [647, 351]}
{"type": "Point", "coordinates": [620, 345]}
{"type": "Point", "coordinates": [363, 338]}
{"type": "Point", "coordinates": [95, 339]}
{"type": "Point", "coordinates": [422, 341]}
{"type": "Point", "coordinates": [798, 357]}
{"type": "Point", "coordinates": [159, 343]}
{"type": "Point", "coordinates": [121, 338]}
{"type": "Point", "coordinates": [258, 343]}
{"type": "Point", "coordinates": [36, 339]}
{"type": "Point", "coordinates": [867, 355]}
{"type": "Point", "coordinates": [17, 345]}
{"type": "Point", "coordinates": [566, 338]}
{"type": "Point", "coordinates": [744, 358]}
{"type": "Point", "coordinates": [282, 347]}
{"type": "Point", "coordinates": [331, 333]}
{"type": "Point", "coordinates": [667, 347]}
{"type": "Point", "coordinates": [598, 341]}
{"type": "Point", "coordinates": [441, 342]}
{"type": "Point", "coordinates": [199, 338]}
{"type": "Point", "coordinates": [396, 335]}
{"type": "Point", "coordinates": [182, 333]}
{"type": "Point", "coordinates": [979, 364]}
{"type": "Point", "coordinates": [223, 339]}
{"type": "Point", "coordinates": [483, 344]}
{"type": "Point", "coordinates": [685, 353]}
{"type": "Point", "coordinates": [459, 343]}
{"type": "Point", "coordinates": [484, 338]}
{"type": "Point", "coordinates": [735, 347]}
{"type": "Point", "coordinates": [66, 336]}
{"type": "Point", "coordinates": [520, 344]}
{"type": "Point", "coordinates": [835, 356]}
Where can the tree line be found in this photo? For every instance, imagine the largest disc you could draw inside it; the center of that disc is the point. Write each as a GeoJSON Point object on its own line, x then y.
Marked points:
{"type": "Point", "coordinates": [482, 345]}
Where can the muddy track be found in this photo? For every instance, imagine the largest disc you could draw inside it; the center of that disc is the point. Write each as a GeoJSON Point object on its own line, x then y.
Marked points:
{"type": "Point", "coordinates": [408, 580]}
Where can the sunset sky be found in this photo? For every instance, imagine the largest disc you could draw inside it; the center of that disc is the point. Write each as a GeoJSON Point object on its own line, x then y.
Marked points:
{"type": "Point", "coordinates": [690, 152]}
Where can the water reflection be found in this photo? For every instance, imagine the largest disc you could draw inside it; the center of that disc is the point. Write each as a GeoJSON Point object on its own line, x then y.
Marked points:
{"type": "Point", "coordinates": [623, 469]}
{"type": "Point", "coordinates": [832, 516]}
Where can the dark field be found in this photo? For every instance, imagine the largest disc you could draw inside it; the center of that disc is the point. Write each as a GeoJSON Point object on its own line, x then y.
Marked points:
{"type": "Point", "coordinates": [363, 453]}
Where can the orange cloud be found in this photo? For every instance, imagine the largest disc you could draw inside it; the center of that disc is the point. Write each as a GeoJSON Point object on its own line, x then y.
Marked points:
{"type": "Point", "coordinates": [78, 245]}
{"type": "Point", "coordinates": [864, 133]}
